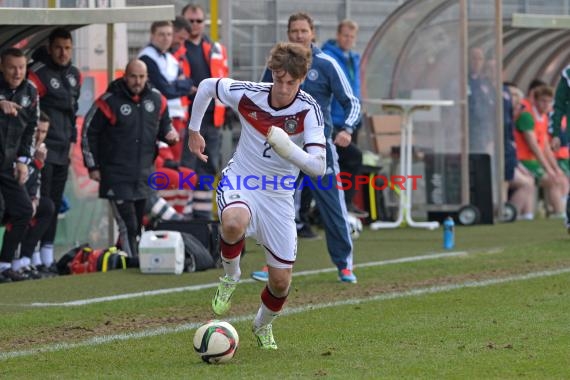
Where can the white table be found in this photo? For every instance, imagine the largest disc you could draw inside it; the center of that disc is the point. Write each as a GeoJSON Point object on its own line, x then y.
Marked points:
{"type": "Point", "coordinates": [406, 107]}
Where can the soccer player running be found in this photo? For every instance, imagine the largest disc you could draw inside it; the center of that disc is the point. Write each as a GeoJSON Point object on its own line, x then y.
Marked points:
{"type": "Point", "coordinates": [255, 194]}
{"type": "Point", "coordinates": [325, 81]}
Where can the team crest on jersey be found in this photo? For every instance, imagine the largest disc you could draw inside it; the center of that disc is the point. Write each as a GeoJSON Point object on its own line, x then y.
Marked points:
{"type": "Point", "coordinates": [126, 109]}
{"type": "Point", "coordinates": [234, 196]}
{"type": "Point", "coordinates": [290, 126]}
{"type": "Point", "coordinates": [26, 101]}
{"type": "Point", "coordinates": [312, 74]}
{"type": "Point", "coordinates": [72, 81]}
{"type": "Point", "coordinates": [149, 106]}
{"type": "Point", "coordinates": [54, 83]}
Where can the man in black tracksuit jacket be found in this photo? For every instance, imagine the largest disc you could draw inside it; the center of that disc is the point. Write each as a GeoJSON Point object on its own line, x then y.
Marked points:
{"type": "Point", "coordinates": [30, 260]}
{"type": "Point", "coordinates": [18, 119]}
{"type": "Point", "coordinates": [119, 147]}
{"type": "Point", "coordinates": [59, 84]}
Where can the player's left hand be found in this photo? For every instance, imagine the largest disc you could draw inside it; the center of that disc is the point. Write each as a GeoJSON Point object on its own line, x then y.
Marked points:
{"type": "Point", "coordinates": [196, 144]}
{"type": "Point", "coordinates": [343, 139]}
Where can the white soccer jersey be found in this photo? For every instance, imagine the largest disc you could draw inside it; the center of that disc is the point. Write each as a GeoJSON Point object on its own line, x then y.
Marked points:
{"type": "Point", "coordinates": [302, 120]}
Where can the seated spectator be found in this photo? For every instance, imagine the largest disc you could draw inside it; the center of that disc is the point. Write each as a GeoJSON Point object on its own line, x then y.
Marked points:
{"type": "Point", "coordinates": [533, 152]}
{"type": "Point", "coordinates": [30, 263]}
{"type": "Point", "coordinates": [520, 182]}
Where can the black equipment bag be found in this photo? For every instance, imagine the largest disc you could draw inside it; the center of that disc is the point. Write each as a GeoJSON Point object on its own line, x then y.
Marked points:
{"type": "Point", "coordinates": [205, 231]}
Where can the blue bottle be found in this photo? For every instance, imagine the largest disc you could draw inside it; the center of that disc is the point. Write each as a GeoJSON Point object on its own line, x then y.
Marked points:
{"type": "Point", "coordinates": [448, 233]}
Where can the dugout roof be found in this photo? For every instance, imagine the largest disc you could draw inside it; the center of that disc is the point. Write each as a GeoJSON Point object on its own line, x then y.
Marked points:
{"type": "Point", "coordinates": [421, 51]}
{"type": "Point", "coordinates": [33, 25]}
{"type": "Point", "coordinates": [436, 34]}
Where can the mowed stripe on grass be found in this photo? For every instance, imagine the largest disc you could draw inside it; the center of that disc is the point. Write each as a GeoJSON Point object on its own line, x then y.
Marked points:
{"type": "Point", "coordinates": [296, 310]}
{"type": "Point", "coordinates": [118, 297]}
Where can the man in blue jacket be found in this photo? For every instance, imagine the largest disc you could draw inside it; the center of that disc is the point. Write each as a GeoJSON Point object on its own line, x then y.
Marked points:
{"type": "Point", "coordinates": [350, 156]}
{"type": "Point", "coordinates": [324, 81]}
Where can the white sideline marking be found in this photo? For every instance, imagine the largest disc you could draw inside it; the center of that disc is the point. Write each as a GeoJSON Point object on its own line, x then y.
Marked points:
{"type": "Point", "coordinates": [192, 288]}
{"type": "Point", "coordinates": [297, 310]}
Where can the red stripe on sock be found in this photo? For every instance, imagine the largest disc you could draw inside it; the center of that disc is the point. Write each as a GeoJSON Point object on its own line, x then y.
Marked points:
{"type": "Point", "coordinates": [273, 303]}
{"type": "Point", "coordinates": [231, 251]}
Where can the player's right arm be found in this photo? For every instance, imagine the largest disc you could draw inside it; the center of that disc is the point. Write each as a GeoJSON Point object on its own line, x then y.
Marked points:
{"type": "Point", "coordinates": [207, 90]}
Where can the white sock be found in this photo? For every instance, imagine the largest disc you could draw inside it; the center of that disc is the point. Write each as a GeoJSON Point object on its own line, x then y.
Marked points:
{"type": "Point", "coordinates": [17, 264]}
{"type": "Point", "coordinates": [46, 253]}
{"type": "Point", "coordinates": [162, 210]}
{"type": "Point", "coordinates": [264, 316]}
{"type": "Point", "coordinates": [36, 259]}
{"type": "Point", "coordinates": [231, 267]}
{"type": "Point", "coordinates": [4, 266]}
{"type": "Point", "coordinates": [20, 263]}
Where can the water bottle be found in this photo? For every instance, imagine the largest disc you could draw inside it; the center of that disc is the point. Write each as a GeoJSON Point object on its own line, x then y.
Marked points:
{"type": "Point", "coordinates": [448, 233]}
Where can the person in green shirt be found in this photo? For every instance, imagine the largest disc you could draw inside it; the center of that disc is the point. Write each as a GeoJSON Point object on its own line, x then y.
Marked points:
{"type": "Point", "coordinates": [534, 152]}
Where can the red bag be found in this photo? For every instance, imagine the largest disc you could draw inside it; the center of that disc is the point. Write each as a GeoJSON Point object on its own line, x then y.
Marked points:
{"type": "Point", "coordinates": [85, 261]}
{"type": "Point", "coordinates": [89, 260]}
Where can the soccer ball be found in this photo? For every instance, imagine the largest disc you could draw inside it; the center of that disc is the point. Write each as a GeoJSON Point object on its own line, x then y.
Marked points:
{"type": "Point", "coordinates": [216, 341]}
{"type": "Point", "coordinates": [355, 226]}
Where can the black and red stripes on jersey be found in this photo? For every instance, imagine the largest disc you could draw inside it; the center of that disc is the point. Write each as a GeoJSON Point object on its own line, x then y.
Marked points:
{"type": "Point", "coordinates": [262, 120]}
{"type": "Point", "coordinates": [266, 87]}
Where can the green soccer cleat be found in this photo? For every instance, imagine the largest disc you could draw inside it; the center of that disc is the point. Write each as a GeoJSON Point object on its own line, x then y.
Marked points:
{"type": "Point", "coordinates": [221, 302]}
{"type": "Point", "coordinates": [264, 335]}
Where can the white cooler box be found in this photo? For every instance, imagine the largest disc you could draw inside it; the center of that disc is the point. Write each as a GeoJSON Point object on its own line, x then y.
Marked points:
{"type": "Point", "coordinates": [161, 252]}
